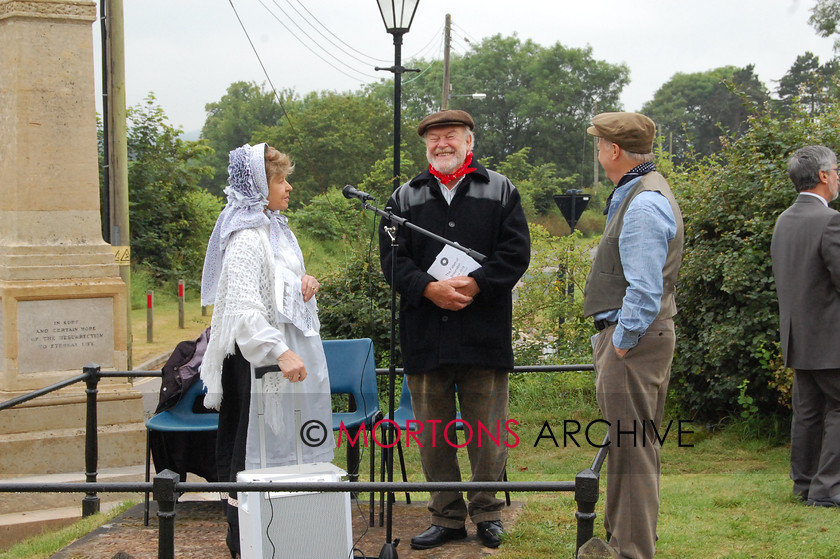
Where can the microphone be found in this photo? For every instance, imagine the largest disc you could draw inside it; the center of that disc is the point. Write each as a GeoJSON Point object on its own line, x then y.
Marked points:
{"type": "Point", "coordinates": [351, 192]}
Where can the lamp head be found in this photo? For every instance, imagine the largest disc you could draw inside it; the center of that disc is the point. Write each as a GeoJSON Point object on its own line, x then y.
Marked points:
{"type": "Point", "coordinates": [397, 15]}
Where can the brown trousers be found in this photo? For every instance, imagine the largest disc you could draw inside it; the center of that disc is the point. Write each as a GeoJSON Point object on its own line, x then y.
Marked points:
{"type": "Point", "coordinates": [631, 394]}
{"type": "Point", "coordinates": [483, 398]}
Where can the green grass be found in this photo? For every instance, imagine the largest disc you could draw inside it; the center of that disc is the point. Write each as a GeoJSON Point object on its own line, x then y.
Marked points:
{"type": "Point", "coordinates": [44, 545]}
{"type": "Point", "coordinates": [166, 331]}
{"type": "Point", "coordinates": [726, 496]}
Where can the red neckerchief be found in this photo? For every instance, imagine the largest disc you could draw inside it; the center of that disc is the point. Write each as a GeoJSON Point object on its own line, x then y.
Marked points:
{"type": "Point", "coordinates": [462, 170]}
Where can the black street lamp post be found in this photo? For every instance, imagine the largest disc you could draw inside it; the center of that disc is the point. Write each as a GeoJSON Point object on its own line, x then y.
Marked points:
{"type": "Point", "coordinates": [397, 16]}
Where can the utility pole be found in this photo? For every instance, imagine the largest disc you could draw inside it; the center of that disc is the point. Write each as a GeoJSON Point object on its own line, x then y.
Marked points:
{"type": "Point", "coordinates": [117, 147]}
{"type": "Point", "coordinates": [447, 39]}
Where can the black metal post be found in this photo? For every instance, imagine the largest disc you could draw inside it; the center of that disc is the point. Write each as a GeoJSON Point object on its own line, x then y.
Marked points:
{"type": "Point", "coordinates": [163, 487]}
{"type": "Point", "coordinates": [90, 504]}
{"type": "Point", "coordinates": [586, 495]}
{"type": "Point", "coordinates": [398, 71]}
{"type": "Point", "coordinates": [389, 550]}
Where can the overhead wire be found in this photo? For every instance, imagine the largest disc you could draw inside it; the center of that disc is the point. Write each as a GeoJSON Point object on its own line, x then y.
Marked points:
{"type": "Point", "coordinates": [433, 62]}
{"type": "Point", "coordinates": [330, 41]}
{"type": "Point", "coordinates": [438, 35]}
{"type": "Point", "coordinates": [466, 36]}
{"type": "Point", "coordinates": [339, 38]}
{"type": "Point", "coordinates": [304, 154]}
{"type": "Point", "coordinates": [406, 82]}
{"type": "Point", "coordinates": [292, 33]}
{"type": "Point", "coordinates": [273, 89]}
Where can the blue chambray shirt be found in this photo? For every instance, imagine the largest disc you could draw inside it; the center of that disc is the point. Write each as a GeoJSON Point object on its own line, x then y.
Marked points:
{"type": "Point", "coordinates": [649, 225]}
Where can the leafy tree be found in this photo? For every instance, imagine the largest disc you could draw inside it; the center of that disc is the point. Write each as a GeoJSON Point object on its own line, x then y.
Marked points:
{"type": "Point", "coordinates": [537, 97]}
{"type": "Point", "coordinates": [231, 122]}
{"type": "Point", "coordinates": [808, 83]}
{"type": "Point", "coordinates": [695, 110]}
{"type": "Point", "coordinates": [537, 184]}
{"type": "Point", "coordinates": [171, 216]}
{"type": "Point", "coordinates": [727, 326]}
{"type": "Point", "coordinates": [825, 16]}
{"type": "Point", "coordinates": [334, 140]}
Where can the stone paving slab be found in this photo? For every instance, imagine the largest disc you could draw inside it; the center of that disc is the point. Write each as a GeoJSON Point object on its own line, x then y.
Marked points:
{"type": "Point", "coordinates": [200, 534]}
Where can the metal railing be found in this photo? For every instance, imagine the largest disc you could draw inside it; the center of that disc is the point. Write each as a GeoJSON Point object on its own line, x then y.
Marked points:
{"type": "Point", "coordinates": [166, 486]}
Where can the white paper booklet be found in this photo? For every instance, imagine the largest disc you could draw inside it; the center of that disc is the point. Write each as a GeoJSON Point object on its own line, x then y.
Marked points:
{"type": "Point", "coordinates": [290, 305]}
{"type": "Point", "coordinates": [451, 262]}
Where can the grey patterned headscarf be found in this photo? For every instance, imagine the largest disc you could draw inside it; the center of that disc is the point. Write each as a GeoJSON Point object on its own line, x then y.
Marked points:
{"type": "Point", "coordinates": [247, 207]}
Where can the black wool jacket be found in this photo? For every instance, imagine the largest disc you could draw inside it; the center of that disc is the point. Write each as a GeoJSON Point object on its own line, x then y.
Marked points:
{"type": "Point", "coordinates": [485, 215]}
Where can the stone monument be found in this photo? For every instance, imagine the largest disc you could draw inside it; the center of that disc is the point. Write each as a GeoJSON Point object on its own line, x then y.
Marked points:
{"type": "Point", "coordinates": [62, 302]}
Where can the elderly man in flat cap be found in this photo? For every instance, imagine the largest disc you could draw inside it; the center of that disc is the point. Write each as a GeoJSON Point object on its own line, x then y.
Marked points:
{"type": "Point", "coordinates": [630, 295]}
{"type": "Point", "coordinates": [455, 320]}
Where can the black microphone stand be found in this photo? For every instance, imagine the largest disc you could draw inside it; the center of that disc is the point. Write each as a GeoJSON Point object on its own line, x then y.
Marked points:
{"type": "Point", "coordinates": [389, 549]}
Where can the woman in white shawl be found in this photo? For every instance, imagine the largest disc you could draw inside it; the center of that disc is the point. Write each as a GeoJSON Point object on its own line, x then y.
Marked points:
{"type": "Point", "coordinates": [264, 313]}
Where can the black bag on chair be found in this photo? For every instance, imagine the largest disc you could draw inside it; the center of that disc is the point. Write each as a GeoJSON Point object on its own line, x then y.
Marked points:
{"type": "Point", "coordinates": [178, 451]}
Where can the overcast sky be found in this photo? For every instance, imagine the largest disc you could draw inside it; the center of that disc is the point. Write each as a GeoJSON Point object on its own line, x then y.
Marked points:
{"type": "Point", "coordinates": [187, 52]}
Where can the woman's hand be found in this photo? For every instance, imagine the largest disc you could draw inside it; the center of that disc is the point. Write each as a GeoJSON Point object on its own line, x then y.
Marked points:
{"type": "Point", "coordinates": [291, 366]}
{"type": "Point", "coordinates": [309, 287]}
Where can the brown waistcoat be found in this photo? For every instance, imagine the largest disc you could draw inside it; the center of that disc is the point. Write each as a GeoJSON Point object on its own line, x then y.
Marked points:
{"type": "Point", "coordinates": [606, 286]}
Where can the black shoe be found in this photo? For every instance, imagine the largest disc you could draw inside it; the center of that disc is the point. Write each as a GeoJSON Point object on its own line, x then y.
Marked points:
{"type": "Point", "coordinates": [436, 536]}
{"type": "Point", "coordinates": [490, 532]}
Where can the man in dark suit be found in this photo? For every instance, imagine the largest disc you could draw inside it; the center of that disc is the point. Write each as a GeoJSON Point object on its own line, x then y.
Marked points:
{"type": "Point", "coordinates": [806, 264]}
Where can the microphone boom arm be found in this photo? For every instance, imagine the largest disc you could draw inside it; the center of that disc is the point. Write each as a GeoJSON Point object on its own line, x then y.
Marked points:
{"type": "Point", "coordinates": [397, 220]}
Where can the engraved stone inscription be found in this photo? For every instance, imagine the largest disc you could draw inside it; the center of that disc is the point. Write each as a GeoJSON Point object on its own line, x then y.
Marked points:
{"type": "Point", "coordinates": [65, 334]}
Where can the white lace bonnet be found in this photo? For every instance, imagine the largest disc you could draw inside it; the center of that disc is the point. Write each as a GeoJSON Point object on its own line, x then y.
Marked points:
{"type": "Point", "coordinates": [247, 201]}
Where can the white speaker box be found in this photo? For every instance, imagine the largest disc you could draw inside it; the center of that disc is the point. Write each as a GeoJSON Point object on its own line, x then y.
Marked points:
{"type": "Point", "coordinates": [281, 525]}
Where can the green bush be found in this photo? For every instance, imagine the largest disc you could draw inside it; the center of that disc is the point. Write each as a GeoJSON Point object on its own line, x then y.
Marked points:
{"type": "Point", "coordinates": [355, 302]}
{"type": "Point", "coordinates": [171, 215]}
{"type": "Point", "coordinates": [327, 217]}
{"type": "Point", "coordinates": [141, 282]}
{"type": "Point", "coordinates": [727, 326]}
{"type": "Point", "coordinates": [542, 298]}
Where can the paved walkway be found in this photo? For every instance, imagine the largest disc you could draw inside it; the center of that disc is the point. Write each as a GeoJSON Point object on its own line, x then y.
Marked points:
{"type": "Point", "coordinates": [200, 534]}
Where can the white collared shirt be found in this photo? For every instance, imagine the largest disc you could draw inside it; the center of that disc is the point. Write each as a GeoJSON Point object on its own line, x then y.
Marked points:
{"type": "Point", "coordinates": [449, 193]}
{"type": "Point", "coordinates": [821, 199]}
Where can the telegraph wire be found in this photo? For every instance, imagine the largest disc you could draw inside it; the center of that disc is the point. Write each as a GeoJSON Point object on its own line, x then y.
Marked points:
{"type": "Point", "coordinates": [339, 38]}
{"type": "Point", "coordinates": [304, 153]}
{"type": "Point", "coordinates": [433, 62]}
{"type": "Point", "coordinates": [292, 33]}
{"type": "Point", "coordinates": [274, 90]}
{"type": "Point", "coordinates": [464, 39]}
{"type": "Point", "coordinates": [322, 35]}
{"type": "Point", "coordinates": [437, 35]}
{"type": "Point", "coordinates": [421, 73]}
{"type": "Point", "coordinates": [466, 36]}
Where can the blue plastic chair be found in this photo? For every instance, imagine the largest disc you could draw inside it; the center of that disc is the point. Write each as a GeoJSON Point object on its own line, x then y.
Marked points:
{"type": "Point", "coordinates": [402, 415]}
{"type": "Point", "coordinates": [181, 418]}
{"type": "Point", "coordinates": [352, 372]}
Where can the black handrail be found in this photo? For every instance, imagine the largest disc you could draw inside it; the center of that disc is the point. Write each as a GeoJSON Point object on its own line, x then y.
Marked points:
{"type": "Point", "coordinates": [167, 486]}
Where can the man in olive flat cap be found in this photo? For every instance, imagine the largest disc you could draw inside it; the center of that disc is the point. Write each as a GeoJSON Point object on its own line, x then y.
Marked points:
{"type": "Point", "coordinates": [455, 322]}
{"type": "Point", "coordinates": [630, 295]}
